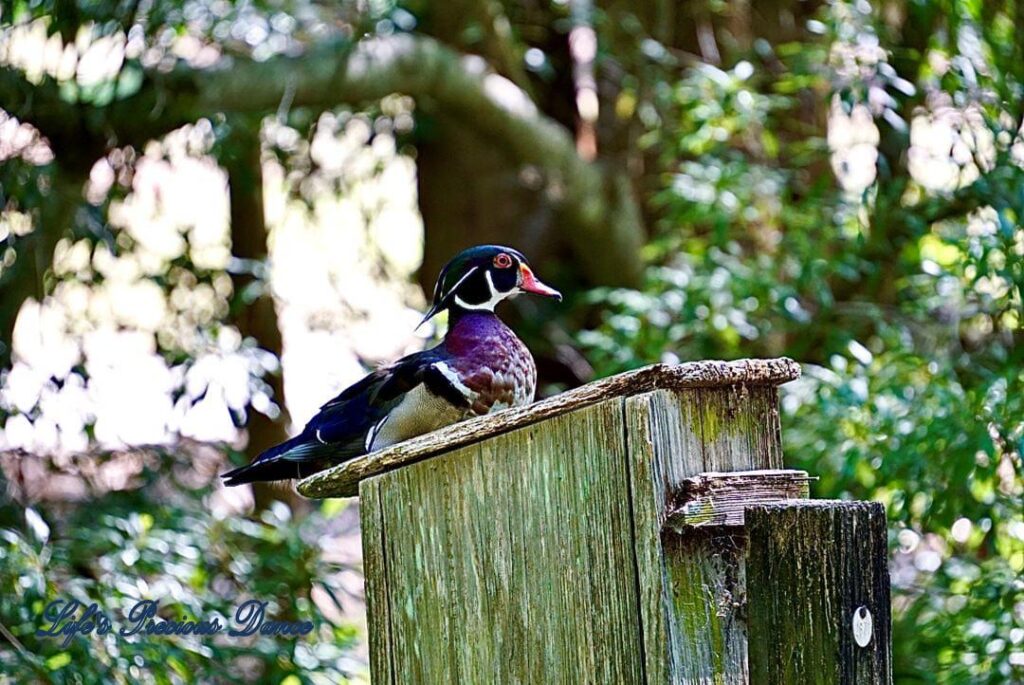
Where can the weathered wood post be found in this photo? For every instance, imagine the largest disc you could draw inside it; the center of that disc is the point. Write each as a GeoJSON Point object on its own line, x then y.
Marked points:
{"type": "Point", "coordinates": [818, 586]}
{"type": "Point", "coordinates": [600, 536]}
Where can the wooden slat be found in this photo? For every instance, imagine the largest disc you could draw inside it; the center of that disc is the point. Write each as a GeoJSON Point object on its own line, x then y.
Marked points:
{"type": "Point", "coordinates": [741, 428]}
{"type": "Point", "coordinates": [511, 561]}
{"type": "Point", "coordinates": [812, 566]}
{"type": "Point", "coordinates": [715, 499]}
{"type": "Point", "coordinates": [343, 480]}
{"type": "Point", "coordinates": [663, 441]}
{"type": "Point", "coordinates": [375, 571]}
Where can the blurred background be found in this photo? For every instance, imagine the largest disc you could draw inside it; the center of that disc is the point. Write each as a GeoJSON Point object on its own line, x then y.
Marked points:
{"type": "Point", "coordinates": [216, 214]}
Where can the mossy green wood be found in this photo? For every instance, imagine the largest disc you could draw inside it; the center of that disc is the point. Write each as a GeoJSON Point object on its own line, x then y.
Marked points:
{"type": "Point", "coordinates": [813, 566]}
{"type": "Point", "coordinates": [692, 585]}
{"type": "Point", "coordinates": [508, 561]}
{"type": "Point", "coordinates": [378, 613]}
{"type": "Point", "coordinates": [539, 556]}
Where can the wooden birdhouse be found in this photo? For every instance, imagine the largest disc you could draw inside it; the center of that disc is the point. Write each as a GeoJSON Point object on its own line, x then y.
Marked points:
{"type": "Point", "coordinates": [639, 529]}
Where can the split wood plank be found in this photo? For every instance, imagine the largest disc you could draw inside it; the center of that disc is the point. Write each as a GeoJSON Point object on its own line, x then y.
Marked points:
{"type": "Point", "coordinates": [719, 498]}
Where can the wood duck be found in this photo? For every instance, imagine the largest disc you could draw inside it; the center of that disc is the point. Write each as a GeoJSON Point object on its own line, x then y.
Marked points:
{"type": "Point", "coordinates": [480, 366]}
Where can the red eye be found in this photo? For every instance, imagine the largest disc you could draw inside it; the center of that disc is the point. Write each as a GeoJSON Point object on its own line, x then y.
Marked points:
{"type": "Point", "coordinates": [502, 261]}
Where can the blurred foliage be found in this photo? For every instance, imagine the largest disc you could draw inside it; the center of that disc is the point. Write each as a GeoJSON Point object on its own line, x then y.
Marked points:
{"type": "Point", "coordinates": [162, 538]}
{"type": "Point", "coordinates": [902, 294]}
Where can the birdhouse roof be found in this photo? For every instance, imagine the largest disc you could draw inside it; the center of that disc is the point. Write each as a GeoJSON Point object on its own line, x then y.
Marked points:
{"type": "Point", "coordinates": [343, 480]}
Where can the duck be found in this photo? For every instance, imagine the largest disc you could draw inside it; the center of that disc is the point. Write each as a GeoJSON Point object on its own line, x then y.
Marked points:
{"type": "Point", "coordinates": [479, 367]}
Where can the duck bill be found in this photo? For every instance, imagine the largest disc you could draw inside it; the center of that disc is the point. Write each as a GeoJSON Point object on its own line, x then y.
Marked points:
{"type": "Point", "coordinates": [529, 283]}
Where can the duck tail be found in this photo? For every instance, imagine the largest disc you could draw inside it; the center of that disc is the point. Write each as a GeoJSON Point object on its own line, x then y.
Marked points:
{"type": "Point", "coordinates": [280, 462]}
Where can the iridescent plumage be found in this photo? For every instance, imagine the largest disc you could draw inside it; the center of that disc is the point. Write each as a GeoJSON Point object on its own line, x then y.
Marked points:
{"type": "Point", "coordinates": [480, 366]}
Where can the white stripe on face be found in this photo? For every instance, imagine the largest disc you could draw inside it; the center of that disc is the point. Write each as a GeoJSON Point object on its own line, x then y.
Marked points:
{"type": "Point", "coordinates": [490, 304]}
{"type": "Point", "coordinates": [457, 284]}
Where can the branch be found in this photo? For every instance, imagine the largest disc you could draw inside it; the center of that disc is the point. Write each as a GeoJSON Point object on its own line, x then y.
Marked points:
{"type": "Point", "coordinates": [80, 133]}
{"type": "Point", "coordinates": [497, 45]}
{"type": "Point", "coordinates": [464, 89]}
{"type": "Point", "coordinates": [607, 239]}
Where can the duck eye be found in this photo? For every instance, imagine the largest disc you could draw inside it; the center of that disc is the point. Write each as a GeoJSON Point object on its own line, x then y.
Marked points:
{"type": "Point", "coordinates": [502, 261]}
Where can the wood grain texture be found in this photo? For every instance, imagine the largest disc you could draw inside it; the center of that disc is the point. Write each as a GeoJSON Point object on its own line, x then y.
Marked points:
{"type": "Point", "coordinates": [811, 565]}
{"type": "Point", "coordinates": [731, 377]}
{"type": "Point", "coordinates": [740, 428]}
{"type": "Point", "coordinates": [511, 561]}
{"type": "Point", "coordinates": [713, 499]}
{"type": "Point", "coordinates": [655, 470]}
{"type": "Point", "coordinates": [378, 610]}
{"type": "Point", "coordinates": [692, 586]}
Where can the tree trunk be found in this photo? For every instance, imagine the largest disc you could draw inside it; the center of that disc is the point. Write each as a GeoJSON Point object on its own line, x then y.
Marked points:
{"type": "Point", "coordinates": [25, 278]}
{"type": "Point", "coordinates": [470, 193]}
{"type": "Point", "coordinates": [252, 308]}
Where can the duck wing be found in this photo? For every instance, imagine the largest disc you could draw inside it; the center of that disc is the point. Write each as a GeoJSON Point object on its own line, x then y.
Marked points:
{"type": "Point", "coordinates": [346, 426]}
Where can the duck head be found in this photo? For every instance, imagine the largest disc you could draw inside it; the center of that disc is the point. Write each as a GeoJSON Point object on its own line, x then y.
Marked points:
{"type": "Point", "coordinates": [478, 278]}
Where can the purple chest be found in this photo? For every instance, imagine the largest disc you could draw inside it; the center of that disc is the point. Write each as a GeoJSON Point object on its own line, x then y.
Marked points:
{"type": "Point", "coordinates": [491, 362]}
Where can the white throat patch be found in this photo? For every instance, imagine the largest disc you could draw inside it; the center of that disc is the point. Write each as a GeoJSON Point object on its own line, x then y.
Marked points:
{"type": "Point", "coordinates": [490, 304]}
